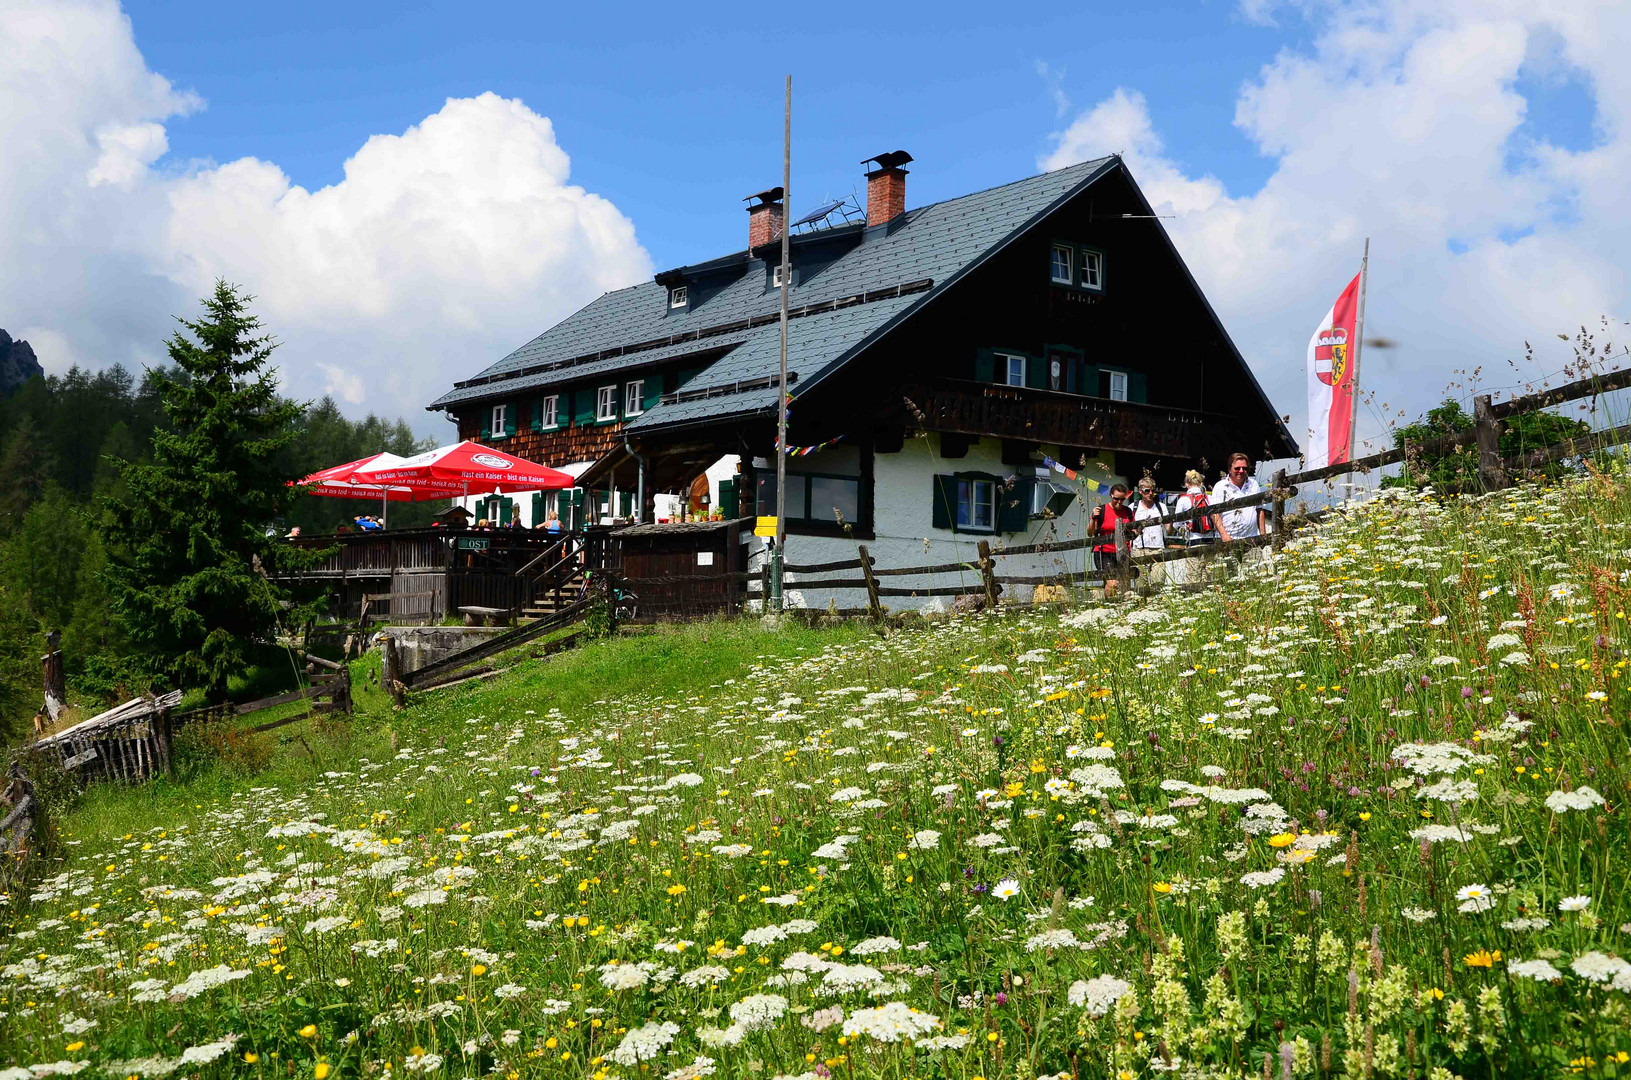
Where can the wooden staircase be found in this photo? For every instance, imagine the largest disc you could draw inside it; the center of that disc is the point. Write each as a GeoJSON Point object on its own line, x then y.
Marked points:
{"type": "Point", "coordinates": [548, 599]}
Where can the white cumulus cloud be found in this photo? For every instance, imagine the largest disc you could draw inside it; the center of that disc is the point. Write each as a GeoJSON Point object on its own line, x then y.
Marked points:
{"type": "Point", "coordinates": [1406, 122]}
{"type": "Point", "coordinates": [442, 248]}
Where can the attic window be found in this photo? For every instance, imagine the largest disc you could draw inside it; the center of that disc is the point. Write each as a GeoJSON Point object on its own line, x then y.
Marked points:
{"type": "Point", "coordinates": [776, 276]}
{"type": "Point", "coordinates": [1064, 268]}
{"type": "Point", "coordinates": [1092, 269]}
{"type": "Point", "coordinates": [678, 296]}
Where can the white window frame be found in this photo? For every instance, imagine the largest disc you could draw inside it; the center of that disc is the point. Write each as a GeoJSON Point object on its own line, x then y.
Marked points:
{"type": "Point", "coordinates": [679, 296]}
{"type": "Point", "coordinates": [634, 397]}
{"type": "Point", "coordinates": [1092, 270]}
{"type": "Point", "coordinates": [776, 276]}
{"type": "Point", "coordinates": [1070, 264]}
{"type": "Point", "coordinates": [550, 415]}
{"type": "Point", "coordinates": [1118, 385]}
{"type": "Point", "coordinates": [982, 495]}
{"type": "Point", "coordinates": [606, 404]}
{"type": "Point", "coordinates": [1009, 362]}
{"type": "Point", "coordinates": [496, 424]}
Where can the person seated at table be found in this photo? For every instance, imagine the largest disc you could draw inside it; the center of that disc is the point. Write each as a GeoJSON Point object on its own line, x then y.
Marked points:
{"type": "Point", "coordinates": [552, 522]}
{"type": "Point", "coordinates": [294, 532]}
{"type": "Point", "coordinates": [368, 524]}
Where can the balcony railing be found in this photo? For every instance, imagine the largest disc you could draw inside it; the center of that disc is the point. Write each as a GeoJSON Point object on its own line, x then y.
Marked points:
{"type": "Point", "coordinates": [1048, 416]}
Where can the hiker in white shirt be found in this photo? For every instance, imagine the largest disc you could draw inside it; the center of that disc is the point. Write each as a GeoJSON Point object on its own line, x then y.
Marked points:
{"type": "Point", "coordinates": [1247, 521]}
{"type": "Point", "coordinates": [1152, 536]}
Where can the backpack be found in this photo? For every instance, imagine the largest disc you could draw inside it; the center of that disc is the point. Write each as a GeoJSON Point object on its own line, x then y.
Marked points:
{"type": "Point", "coordinates": [1198, 501]}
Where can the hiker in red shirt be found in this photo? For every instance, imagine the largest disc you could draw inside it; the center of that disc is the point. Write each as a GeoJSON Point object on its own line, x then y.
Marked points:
{"type": "Point", "coordinates": [1104, 519]}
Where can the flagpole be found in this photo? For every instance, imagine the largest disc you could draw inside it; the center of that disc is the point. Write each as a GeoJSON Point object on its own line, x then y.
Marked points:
{"type": "Point", "coordinates": [1359, 340]}
{"type": "Point", "coordinates": [776, 556]}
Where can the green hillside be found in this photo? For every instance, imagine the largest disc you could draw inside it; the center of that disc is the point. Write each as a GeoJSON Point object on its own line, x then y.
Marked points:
{"type": "Point", "coordinates": [1355, 813]}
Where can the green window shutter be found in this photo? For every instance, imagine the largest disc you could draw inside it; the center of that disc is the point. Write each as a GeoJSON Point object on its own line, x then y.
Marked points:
{"type": "Point", "coordinates": [512, 418]}
{"type": "Point", "coordinates": [729, 504]}
{"type": "Point", "coordinates": [509, 511]}
{"type": "Point", "coordinates": [985, 366]}
{"type": "Point", "coordinates": [1138, 386]}
{"type": "Point", "coordinates": [537, 508]}
{"type": "Point", "coordinates": [653, 394]}
{"type": "Point", "coordinates": [1036, 372]}
{"type": "Point", "coordinates": [538, 414]}
{"type": "Point", "coordinates": [1089, 381]}
{"type": "Point", "coordinates": [625, 504]}
{"type": "Point", "coordinates": [945, 502]}
{"type": "Point", "coordinates": [1014, 506]}
{"type": "Point", "coordinates": [486, 423]}
{"type": "Point", "coordinates": [583, 406]}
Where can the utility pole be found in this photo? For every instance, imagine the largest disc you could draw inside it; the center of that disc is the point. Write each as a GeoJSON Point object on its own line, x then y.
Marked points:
{"type": "Point", "coordinates": [776, 560]}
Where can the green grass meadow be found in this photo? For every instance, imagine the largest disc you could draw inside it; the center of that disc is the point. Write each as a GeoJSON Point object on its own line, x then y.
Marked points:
{"type": "Point", "coordinates": [1356, 810]}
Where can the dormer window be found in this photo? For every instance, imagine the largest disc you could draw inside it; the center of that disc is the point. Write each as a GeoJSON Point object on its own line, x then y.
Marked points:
{"type": "Point", "coordinates": [678, 296]}
{"type": "Point", "coordinates": [776, 276]}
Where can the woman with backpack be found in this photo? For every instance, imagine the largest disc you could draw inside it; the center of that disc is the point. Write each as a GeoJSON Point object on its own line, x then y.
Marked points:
{"type": "Point", "coordinates": [1197, 533]}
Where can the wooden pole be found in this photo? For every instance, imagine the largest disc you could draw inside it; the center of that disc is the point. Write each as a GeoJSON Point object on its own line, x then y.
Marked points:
{"type": "Point", "coordinates": [1124, 554]}
{"type": "Point", "coordinates": [1279, 486]}
{"type": "Point", "coordinates": [393, 670]}
{"type": "Point", "coordinates": [871, 585]}
{"type": "Point", "coordinates": [1491, 473]}
{"type": "Point", "coordinates": [988, 571]}
{"type": "Point", "coordinates": [55, 679]}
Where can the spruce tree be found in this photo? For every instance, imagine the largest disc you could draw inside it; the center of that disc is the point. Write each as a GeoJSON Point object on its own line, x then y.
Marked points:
{"type": "Point", "coordinates": [194, 553]}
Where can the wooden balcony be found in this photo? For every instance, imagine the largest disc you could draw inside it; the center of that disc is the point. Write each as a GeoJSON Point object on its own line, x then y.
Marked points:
{"type": "Point", "coordinates": [1048, 416]}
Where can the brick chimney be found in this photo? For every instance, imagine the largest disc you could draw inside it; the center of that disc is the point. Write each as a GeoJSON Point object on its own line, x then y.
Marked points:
{"type": "Point", "coordinates": [886, 187]}
{"type": "Point", "coordinates": [766, 217]}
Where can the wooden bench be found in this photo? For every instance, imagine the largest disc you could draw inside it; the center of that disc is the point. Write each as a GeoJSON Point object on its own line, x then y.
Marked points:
{"type": "Point", "coordinates": [485, 616]}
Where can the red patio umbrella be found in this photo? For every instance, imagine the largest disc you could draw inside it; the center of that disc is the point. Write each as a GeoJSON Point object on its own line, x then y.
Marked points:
{"type": "Point", "coordinates": [339, 482]}
{"type": "Point", "coordinates": [466, 467]}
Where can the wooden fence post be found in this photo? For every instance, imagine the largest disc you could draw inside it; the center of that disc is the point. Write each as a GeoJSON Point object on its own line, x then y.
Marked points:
{"type": "Point", "coordinates": [393, 670]}
{"type": "Point", "coordinates": [1491, 474]}
{"type": "Point", "coordinates": [1124, 557]}
{"type": "Point", "coordinates": [1279, 489]}
{"type": "Point", "coordinates": [55, 680]}
{"type": "Point", "coordinates": [871, 586]}
{"type": "Point", "coordinates": [988, 571]}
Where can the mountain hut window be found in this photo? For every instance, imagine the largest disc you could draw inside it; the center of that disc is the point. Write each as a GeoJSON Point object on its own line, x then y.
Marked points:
{"type": "Point", "coordinates": [1064, 269]}
{"type": "Point", "coordinates": [606, 404]}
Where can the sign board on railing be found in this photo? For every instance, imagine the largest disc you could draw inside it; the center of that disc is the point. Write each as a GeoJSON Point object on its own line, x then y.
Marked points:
{"type": "Point", "coordinates": [765, 526]}
{"type": "Point", "coordinates": [472, 543]}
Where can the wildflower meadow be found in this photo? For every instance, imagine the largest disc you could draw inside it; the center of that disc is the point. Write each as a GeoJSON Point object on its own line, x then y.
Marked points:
{"type": "Point", "coordinates": [1351, 810]}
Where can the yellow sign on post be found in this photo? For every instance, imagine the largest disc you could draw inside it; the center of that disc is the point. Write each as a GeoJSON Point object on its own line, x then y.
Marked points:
{"type": "Point", "coordinates": [765, 526]}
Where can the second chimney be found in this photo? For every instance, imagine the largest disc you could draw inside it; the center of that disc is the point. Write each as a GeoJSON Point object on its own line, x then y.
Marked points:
{"type": "Point", "coordinates": [766, 217]}
{"type": "Point", "coordinates": [886, 187]}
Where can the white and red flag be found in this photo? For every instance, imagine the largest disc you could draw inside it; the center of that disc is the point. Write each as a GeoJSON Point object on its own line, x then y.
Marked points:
{"type": "Point", "coordinates": [1333, 354]}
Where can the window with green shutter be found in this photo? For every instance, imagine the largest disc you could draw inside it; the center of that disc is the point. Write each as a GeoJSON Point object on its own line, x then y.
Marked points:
{"type": "Point", "coordinates": [985, 366]}
{"type": "Point", "coordinates": [1036, 372]}
{"type": "Point", "coordinates": [538, 513]}
{"type": "Point", "coordinates": [1138, 386]}
{"type": "Point", "coordinates": [1014, 506]}
{"type": "Point", "coordinates": [944, 494]}
{"type": "Point", "coordinates": [729, 502]}
{"type": "Point", "coordinates": [512, 418]}
{"type": "Point", "coordinates": [538, 415]}
{"type": "Point", "coordinates": [583, 406]}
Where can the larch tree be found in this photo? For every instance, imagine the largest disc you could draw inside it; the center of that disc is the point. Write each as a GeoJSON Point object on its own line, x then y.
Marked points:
{"type": "Point", "coordinates": [194, 554]}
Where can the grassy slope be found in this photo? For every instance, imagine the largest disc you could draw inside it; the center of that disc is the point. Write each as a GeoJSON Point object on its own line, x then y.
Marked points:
{"type": "Point", "coordinates": [1098, 768]}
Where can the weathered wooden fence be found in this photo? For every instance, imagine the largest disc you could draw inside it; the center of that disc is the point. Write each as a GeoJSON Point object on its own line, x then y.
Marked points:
{"type": "Point", "coordinates": [985, 582]}
{"type": "Point", "coordinates": [128, 743]}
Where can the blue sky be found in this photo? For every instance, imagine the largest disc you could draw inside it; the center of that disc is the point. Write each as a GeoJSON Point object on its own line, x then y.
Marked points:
{"type": "Point", "coordinates": [411, 192]}
{"type": "Point", "coordinates": [676, 117]}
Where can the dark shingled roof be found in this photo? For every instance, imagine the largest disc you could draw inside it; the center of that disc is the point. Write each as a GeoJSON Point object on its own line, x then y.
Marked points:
{"type": "Point", "coordinates": [938, 243]}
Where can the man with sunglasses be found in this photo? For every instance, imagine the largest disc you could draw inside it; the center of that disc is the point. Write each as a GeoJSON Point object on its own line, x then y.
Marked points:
{"type": "Point", "coordinates": [1247, 521]}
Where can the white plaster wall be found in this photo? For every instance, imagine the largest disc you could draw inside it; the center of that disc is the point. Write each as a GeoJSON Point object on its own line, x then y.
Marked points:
{"type": "Point", "coordinates": [904, 534]}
